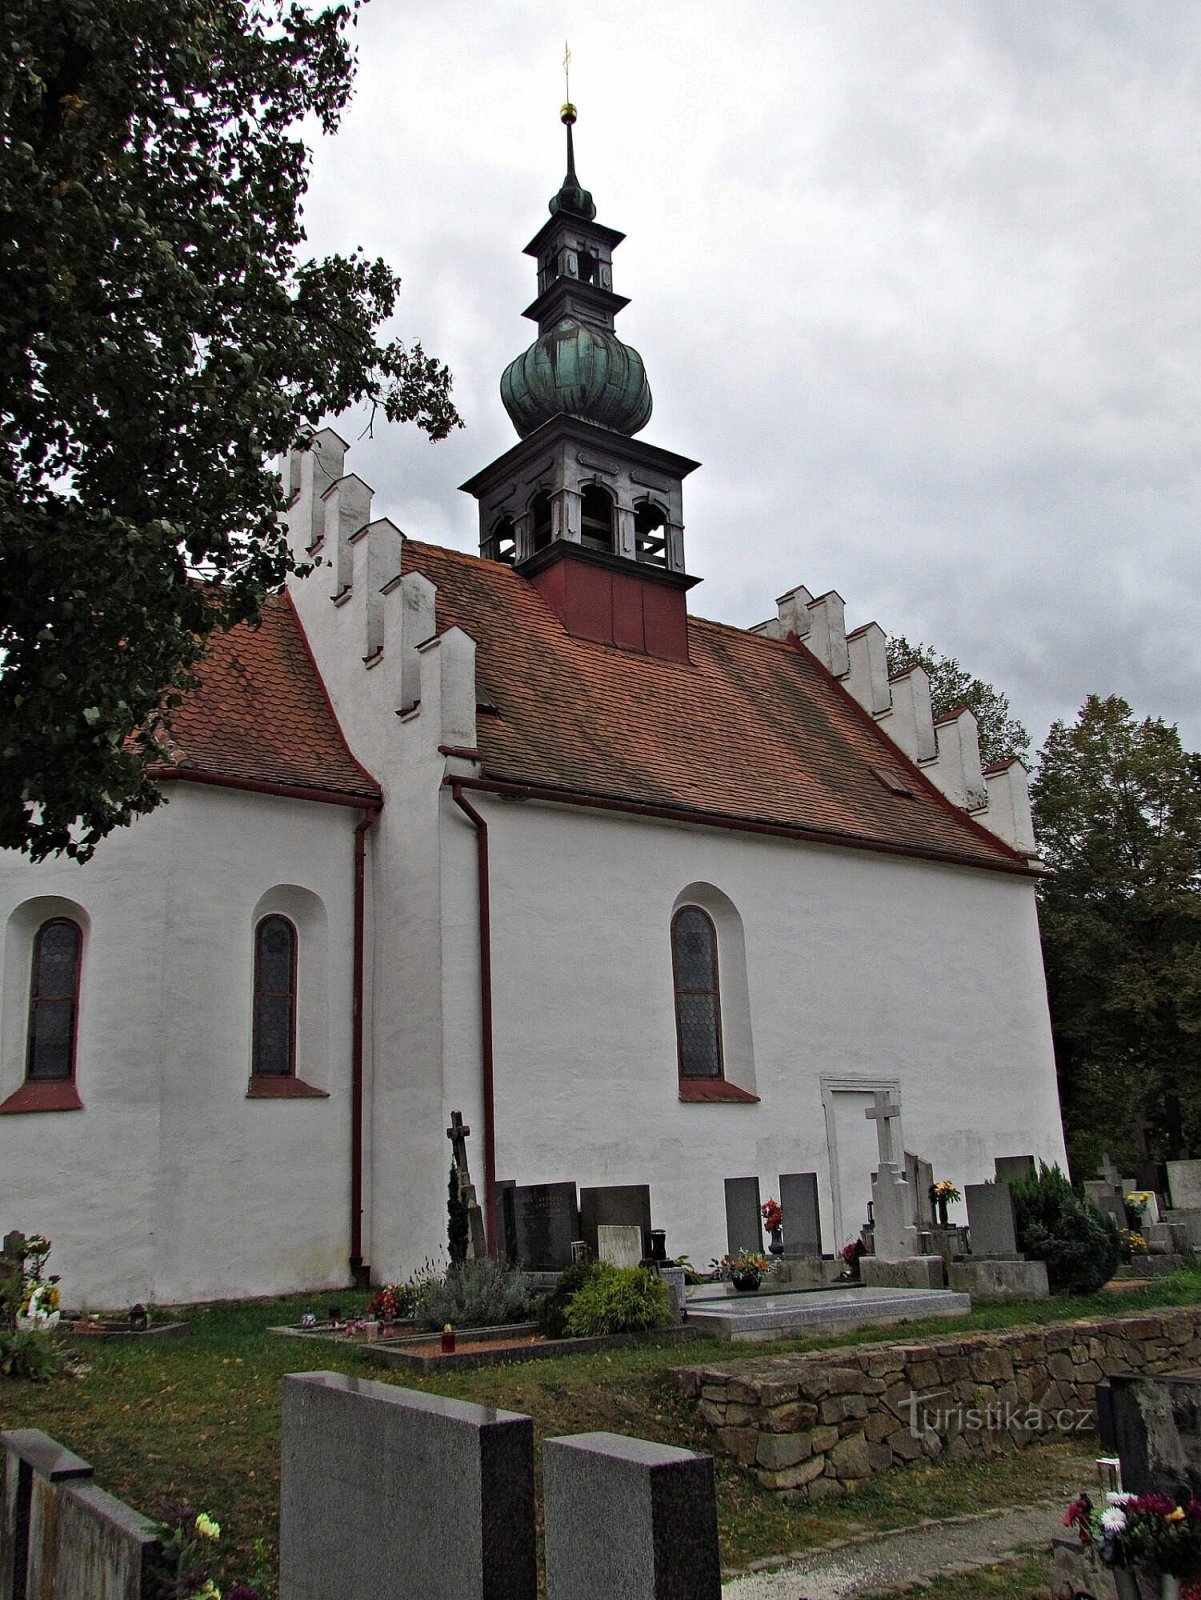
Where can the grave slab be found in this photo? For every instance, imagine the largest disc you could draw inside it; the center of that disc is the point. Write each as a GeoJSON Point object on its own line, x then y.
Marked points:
{"type": "Point", "coordinates": [761, 1316]}
{"type": "Point", "coordinates": [1184, 1185]}
{"type": "Point", "coordinates": [991, 1219]}
{"type": "Point", "coordinates": [744, 1224]}
{"type": "Point", "coordinates": [802, 1215]}
{"type": "Point", "coordinates": [628, 1518]}
{"type": "Point", "coordinates": [379, 1481]}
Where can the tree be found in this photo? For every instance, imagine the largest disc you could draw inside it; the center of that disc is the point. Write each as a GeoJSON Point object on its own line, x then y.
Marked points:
{"type": "Point", "coordinates": [953, 686]}
{"type": "Point", "coordinates": [1117, 808]}
{"type": "Point", "coordinates": [161, 342]}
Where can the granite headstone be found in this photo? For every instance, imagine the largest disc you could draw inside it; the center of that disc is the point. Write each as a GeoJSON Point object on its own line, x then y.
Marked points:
{"type": "Point", "coordinates": [619, 1246]}
{"type": "Point", "coordinates": [802, 1218]}
{"type": "Point", "coordinates": [744, 1223]}
{"type": "Point", "coordinates": [991, 1219]}
{"type": "Point", "coordinates": [1154, 1424]}
{"type": "Point", "coordinates": [624, 1205]}
{"type": "Point", "coordinates": [546, 1220]}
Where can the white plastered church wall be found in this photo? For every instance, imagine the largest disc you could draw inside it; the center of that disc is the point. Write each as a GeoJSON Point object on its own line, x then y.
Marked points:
{"type": "Point", "coordinates": [859, 965]}
{"type": "Point", "coordinates": [170, 1185]}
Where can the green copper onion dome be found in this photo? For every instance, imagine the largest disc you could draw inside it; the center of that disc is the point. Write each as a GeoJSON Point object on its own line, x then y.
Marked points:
{"type": "Point", "coordinates": [579, 371]}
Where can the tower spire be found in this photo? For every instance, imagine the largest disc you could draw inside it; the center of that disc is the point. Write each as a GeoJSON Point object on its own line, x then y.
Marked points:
{"type": "Point", "coordinates": [571, 197]}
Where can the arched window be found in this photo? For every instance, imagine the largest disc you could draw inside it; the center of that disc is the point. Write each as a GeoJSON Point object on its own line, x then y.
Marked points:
{"type": "Point", "coordinates": [274, 1049]}
{"type": "Point", "coordinates": [540, 521]}
{"type": "Point", "coordinates": [698, 1003]}
{"type": "Point", "coordinates": [53, 1001]}
{"type": "Point", "coordinates": [501, 544]}
{"type": "Point", "coordinates": [650, 536]}
{"type": "Point", "coordinates": [596, 518]}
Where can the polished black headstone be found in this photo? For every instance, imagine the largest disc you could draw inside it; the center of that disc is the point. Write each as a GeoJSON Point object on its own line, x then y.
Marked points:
{"type": "Point", "coordinates": [802, 1220]}
{"type": "Point", "coordinates": [546, 1219]}
{"type": "Point", "coordinates": [626, 1205]}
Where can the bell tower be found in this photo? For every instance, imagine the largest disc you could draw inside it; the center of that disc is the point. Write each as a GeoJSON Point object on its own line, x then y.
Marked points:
{"type": "Point", "coordinates": [592, 516]}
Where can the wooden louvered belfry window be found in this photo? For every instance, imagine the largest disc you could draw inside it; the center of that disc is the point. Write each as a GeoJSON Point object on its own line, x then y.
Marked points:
{"type": "Point", "coordinates": [698, 1002]}
{"type": "Point", "coordinates": [274, 1054]}
{"type": "Point", "coordinates": [54, 1001]}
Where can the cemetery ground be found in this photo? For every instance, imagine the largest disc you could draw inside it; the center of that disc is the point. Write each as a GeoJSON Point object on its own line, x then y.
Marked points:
{"type": "Point", "coordinates": [199, 1418]}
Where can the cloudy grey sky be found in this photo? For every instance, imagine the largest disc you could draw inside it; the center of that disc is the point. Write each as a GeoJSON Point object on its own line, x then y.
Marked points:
{"type": "Point", "coordinates": [916, 282]}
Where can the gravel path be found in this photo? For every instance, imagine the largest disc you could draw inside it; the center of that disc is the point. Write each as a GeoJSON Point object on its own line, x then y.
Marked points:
{"type": "Point", "coordinates": [883, 1564]}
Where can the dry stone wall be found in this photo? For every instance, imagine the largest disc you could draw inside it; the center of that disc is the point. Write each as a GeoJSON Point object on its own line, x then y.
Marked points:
{"type": "Point", "coordinates": [817, 1425]}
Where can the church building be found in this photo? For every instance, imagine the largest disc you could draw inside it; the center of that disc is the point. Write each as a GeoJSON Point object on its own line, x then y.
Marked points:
{"type": "Point", "coordinates": [649, 899]}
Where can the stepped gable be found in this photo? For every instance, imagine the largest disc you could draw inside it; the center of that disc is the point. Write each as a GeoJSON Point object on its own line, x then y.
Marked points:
{"type": "Point", "coordinates": [751, 728]}
{"type": "Point", "coordinates": [260, 714]}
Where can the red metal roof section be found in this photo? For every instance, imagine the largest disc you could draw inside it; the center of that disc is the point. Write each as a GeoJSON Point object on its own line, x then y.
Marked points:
{"type": "Point", "coordinates": [751, 728]}
{"type": "Point", "coordinates": [261, 714]}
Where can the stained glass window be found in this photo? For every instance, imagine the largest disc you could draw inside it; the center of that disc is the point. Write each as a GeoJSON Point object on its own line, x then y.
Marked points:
{"type": "Point", "coordinates": [53, 992]}
{"type": "Point", "coordinates": [698, 1007]}
{"type": "Point", "coordinates": [274, 998]}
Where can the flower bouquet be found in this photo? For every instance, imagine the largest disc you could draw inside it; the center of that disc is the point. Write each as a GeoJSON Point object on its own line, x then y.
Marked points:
{"type": "Point", "coordinates": [773, 1220]}
{"type": "Point", "coordinates": [744, 1269]}
{"type": "Point", "coordinates": [1143, 1533]}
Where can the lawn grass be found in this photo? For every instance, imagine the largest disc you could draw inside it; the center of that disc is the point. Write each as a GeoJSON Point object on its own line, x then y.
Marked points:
{"type": "Point", "coordinates": [198, 1418]}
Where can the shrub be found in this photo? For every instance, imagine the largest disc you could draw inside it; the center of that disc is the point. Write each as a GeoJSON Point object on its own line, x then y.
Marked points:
{"type": "Point", "coordinates": [618, 1300]}
{"type": "Point", "coordinates": [552, 1312]}
{"type": "Point", "coordinates": [29, 1354]}
{"type": "Point", "coordinates": [475, 1294]}
{"type": "Point", "coordinates": [1078, 1243]}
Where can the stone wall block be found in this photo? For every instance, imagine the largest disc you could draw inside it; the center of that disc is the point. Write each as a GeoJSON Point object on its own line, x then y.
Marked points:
{"type": "Point", "coordinates": [793, 1418]}
{"type": "Point", "coordinates": [823, 1439]}
{"type": "Point", "coordinates": [925, 1375]}
{"type": "Point", "coordinates": [793, 1477]}
{"type": "Point", "coordinates": [745, 1393]}
{"type": "Point", "coordinates": [825, 1488]}
{"type": "Point", "coordinates": [778, 1450]}
{"type": "Point", "coordinates": [849, 1458]}
{"type": "Point", "coordinates": [741, 1443]}
{"type": "Point", "coordinates": [881, 1363]}
{"type": "Point", "coordinates": [711, 1412]}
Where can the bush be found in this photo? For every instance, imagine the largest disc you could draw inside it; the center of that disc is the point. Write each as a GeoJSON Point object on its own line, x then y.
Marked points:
{"type": "Point", "coordinates": [27, 1355]}
{"type": "Point", "coordinates": [1078, 1243]}
{"type": "Point", "coordinates": [475, 1294]}
{"type": "Point", "coordinates": [552, 1312]}
{"type": "Point", "coordinates": [618, 1300]}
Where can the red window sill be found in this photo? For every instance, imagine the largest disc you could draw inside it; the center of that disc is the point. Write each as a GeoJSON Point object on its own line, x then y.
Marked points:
{"type": "Point", "coordinates": [712, 1090]}
{"type": "Point", "coordinates": [283, 1089]}
{"type": "Point", "coordinates": [52, 1094]}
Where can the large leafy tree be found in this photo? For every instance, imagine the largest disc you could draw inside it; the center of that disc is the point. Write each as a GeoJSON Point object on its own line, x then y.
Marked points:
{"type": "Point", "coordinates": [952, 686]}
{"type": "Point", "coordinates": [161, 340]}
{"type": "Point", "coordinates": [1117, 806]}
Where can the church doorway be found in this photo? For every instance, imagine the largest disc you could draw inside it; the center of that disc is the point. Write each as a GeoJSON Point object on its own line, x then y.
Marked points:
{"type": "Point", "coordinates": [853, 1148]}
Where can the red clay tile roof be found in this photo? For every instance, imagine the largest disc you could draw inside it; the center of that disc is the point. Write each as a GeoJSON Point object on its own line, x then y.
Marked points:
{"type": "Point", "coordinates": [753, 729]}
{"type": "Point", "coordinates": [261, 714]}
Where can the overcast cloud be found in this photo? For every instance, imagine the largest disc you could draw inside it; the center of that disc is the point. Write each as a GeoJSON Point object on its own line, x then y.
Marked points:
{"type": "Point", "coordinates": [916, 282]}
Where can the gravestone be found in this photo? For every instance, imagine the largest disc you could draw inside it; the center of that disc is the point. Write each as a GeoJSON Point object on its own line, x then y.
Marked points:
{"type": "Point", "coordinates": [625, 1205]}
{"type": "Point", "coordinates": [458, 1134]}
{"type": "Point", "coordinates": [1010, 1169]}
{"type": "Point", "coordinates": [1111, 1205]}
{"type": "Point", "coordinates": [802, 1218]}
{"type": "Point", "coordinates": [1184, 1183]}
{"type": "Point", "coordinates": [545, 1221]}
{"type": "Point", "coordinates": [920, 1176]}
{"type": "Point", "coordinates": [506, 1222]}
{"type": "Point", "coordinates": [619, 1246]}
{"type": "Point", "coordinates": [630, 1519]}
{"type": "Point", "coordinates": [1154, 1424]}
{"type": "Point", "coordinates": [744, 1222]}
{"type": "Point", "coordinates": [894, 1232]}
{"type": "Point", "coordinates": [991, 1220]}
{"type": "Point", "coordinates": [385, 1490]}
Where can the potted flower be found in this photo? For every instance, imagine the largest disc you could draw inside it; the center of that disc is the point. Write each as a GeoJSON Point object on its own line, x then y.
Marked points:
{"type": "Point", "coordinates": [941, 1196]}
{"type": "Point", "coordinates": [852, 1253]}
{"type": "Point", "coordinates": [1152, 1543]}
{"type": "Point", "coordinates": [744, 1269]}
{"type": "Point", "coordinates": [773, 1221]}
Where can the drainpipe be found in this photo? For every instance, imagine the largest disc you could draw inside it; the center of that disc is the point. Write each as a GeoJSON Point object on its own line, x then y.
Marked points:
{"type": "Point", "coordinates": [485, 904]}
{"type": "Point", "coordinates": [360, 1273]}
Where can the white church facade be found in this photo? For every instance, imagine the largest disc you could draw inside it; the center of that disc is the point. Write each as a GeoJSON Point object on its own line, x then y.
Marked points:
{"type": "Point", "coordinates": [650, 899]}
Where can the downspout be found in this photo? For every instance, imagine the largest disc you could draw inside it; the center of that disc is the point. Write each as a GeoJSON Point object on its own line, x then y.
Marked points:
{"type": "Point", "coordinates": [359, 1273]}
{"type": "Point", "coordinates": [485, 905]}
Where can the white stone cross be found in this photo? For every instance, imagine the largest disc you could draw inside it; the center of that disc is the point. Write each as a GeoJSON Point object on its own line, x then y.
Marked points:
{"type": "Point", "coordinates": [885, 1112]}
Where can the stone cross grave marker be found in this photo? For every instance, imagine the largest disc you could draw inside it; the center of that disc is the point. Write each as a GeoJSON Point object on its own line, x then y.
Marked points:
{"type": "Point", "coordinates": [458, 1133]}
{"type": "Point", "coordinates": [885, 1112]}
